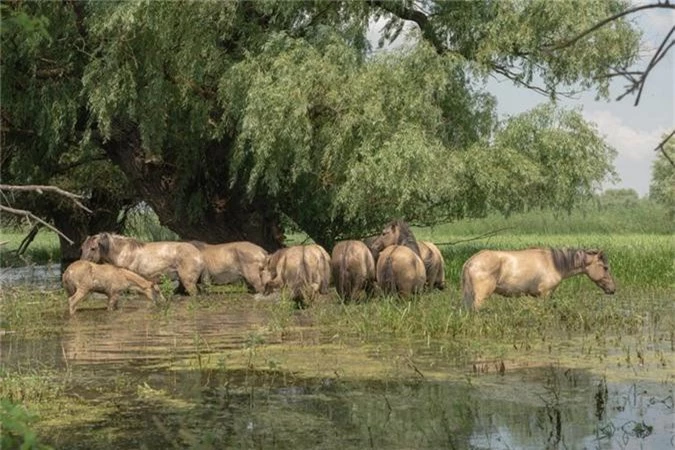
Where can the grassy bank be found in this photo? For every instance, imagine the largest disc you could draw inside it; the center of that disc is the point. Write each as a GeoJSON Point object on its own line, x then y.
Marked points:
{"type": "Point", "coordinates": [591, 224]}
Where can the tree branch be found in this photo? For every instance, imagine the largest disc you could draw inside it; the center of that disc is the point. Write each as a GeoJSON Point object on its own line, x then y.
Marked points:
{"type": "Point", "coordinates": [661, 148]}
{"type": "Point", "coordinates": [660, 53]}
{"type": "Point", "coordinates": [30, 215]}
{"type": "Point", "coordinates": [42, 188]}
{"type": "Point", "coordinates": [604, 22]}
{"type": "Point", "coordinates": [422, 20]}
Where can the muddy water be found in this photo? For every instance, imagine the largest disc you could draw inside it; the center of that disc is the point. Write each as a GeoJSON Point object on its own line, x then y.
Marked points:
{"type": "Point", "coordinates": [214, 374]}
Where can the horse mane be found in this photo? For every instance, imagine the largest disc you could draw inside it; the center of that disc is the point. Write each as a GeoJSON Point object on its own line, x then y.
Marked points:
{"type": "Point", "coordinates": [106, 241]}
{"type": "Point", "coordinates": [133, 243]}
{"type": "Point", "coordinates": [566, 260]}
{"type": "Point", "coordinates": [199, 244]}
{"type": "Point", "coordinates": [406, 236]}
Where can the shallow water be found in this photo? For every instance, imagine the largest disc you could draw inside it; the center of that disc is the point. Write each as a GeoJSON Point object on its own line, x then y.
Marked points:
{"type": "Point", "coordinates": [212, 374]}
{"type": "Point", "coordinates": [37, 276]}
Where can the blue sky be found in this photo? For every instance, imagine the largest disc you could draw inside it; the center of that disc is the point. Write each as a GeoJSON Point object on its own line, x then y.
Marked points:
{"type": "Point", "coordinates": [634, 131]}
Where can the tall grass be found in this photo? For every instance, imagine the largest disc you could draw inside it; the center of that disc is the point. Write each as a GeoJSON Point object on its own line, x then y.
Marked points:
{"type": "Point", "coordinates": [642, 217]}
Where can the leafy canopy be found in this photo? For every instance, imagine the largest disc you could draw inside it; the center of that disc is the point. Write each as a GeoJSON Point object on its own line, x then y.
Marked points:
{"type": "Point", "coordinates": [282, 104]}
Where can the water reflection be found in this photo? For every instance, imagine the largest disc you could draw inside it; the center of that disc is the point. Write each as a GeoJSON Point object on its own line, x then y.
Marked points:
{"type": "Point", "coordinates": [119, 365]}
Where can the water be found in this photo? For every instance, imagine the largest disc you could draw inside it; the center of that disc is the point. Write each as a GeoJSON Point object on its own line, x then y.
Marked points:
{"type": "Point", "coordinates": [212, 375]}
{"type": "Point", "coordinates": [43, 276]}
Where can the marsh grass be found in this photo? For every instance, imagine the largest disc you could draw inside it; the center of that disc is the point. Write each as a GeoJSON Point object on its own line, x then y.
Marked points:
{"type": "Point", "coordinates": [32, 312]}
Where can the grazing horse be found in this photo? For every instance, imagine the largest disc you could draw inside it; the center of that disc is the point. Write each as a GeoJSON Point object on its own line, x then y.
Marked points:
{"type": "Point", "coordinates": [83, 277]}
{"type": "Point", "coordinates": [400, 271]}
{"type": "Point", "coordinates": [303, 269]}
{"type": "Point", "coordinates": [353, 269]}
{"type": "Point", "coordinates": [433, 264]}
{"type": "Point", "coordinates": [227, 263]}
{"type": "Point", "coordinates": [535, 272]}
{"type": "Point", "coordinates": [148, 259]}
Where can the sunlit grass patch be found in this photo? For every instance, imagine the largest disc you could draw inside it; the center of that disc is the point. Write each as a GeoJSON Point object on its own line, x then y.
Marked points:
{"type": "Point", "coordinates": [44, 248]}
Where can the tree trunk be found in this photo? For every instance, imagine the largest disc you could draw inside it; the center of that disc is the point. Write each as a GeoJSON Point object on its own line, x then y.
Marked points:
{"type": "Point", "coordinates": [78, 224]}
{"type": "Point", "coordinates": [224, 216]}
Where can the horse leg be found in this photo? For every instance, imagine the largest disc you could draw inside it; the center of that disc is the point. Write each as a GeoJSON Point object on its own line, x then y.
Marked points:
{"type": "Point", "coordinates": [74, 299]}
{"type": "Point", "coordinates": [113, 297]}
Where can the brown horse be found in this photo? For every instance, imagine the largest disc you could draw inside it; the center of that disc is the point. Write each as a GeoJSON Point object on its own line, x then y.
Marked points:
{"type": "Point", "coordinates": [227, 263]}
{"type": "Point", "coordinates": [302, 269]}
{"type": "Point", "coordinates": [148, 259]}
{"type": "Point", "coordinates": [535, 272]}
{"type": "Point", "coordinates": [400, 271]}
{"type": "Point", "coordinates": [83, 277]}
{"type": "Point", "coordinates": [433, 264]}
{"type": "Point", "coordinates": [353, 269]}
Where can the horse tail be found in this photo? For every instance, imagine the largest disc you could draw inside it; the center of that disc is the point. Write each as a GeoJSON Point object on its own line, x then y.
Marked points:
{"type": "Point", "coordinates": [345, 285]}
{"type": "Point", "coordinates": [467, 288]}
{"type": "Point", "coordinates": [388, 278]}
{"type": "Point", "coordinates": [428, 265]}
{"type": "Point", "coordinates": [306, 272]}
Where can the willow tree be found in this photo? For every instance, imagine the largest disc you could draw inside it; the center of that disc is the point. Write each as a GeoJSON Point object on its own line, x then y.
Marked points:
{"type": "Point", "coordinates": [224, 116]}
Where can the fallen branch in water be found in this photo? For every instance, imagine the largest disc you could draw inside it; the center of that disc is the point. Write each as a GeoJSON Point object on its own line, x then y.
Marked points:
{"type": "Point", "coordinates": [488, 234]}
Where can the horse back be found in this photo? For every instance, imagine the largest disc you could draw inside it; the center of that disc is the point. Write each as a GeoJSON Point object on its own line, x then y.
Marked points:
{"type": "Point", "coordinates": [399, 266]}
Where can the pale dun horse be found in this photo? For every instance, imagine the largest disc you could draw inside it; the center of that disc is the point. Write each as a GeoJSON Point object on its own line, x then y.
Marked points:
{"type": "Point", "coordinates": [399, 267]}
{"type": "Point", "coordinates": [84, 277]}
{"type": "Point", "coordinates": [148, 259]}
{"type": "Point", "coordinates": [433, 264]}
{"type": "Point", "coordinates": [233, 261]}
{"type": "Point", "coordinates": [353, 269]}
{"type": "Point", "coordinates": [304, 270]}
{"type": "Point", "coordinates": [536, 272]}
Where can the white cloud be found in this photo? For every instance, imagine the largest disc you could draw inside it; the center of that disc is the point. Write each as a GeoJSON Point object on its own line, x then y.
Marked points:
{"type": "Point", "coordinates": [632, 143]}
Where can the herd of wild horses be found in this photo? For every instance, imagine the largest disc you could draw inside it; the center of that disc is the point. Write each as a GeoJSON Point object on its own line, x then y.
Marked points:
{"type": "Point", "coordinates": [392, 263]}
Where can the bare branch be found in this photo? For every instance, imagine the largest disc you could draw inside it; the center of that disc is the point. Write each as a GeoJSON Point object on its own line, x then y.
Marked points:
{"type": "Point", "coordinates": [30, 215]}
{"type": "Point", "coordinates": [488, 234]}
{"type": "Point", "coordinates": [660, 53]}
{"type": "Point", "coordinates": [44, 188]}
{"type": "Point", "coordinates": [661, 148]}
{"type": "Point", "coordinates": [506, 73]}
{"type": "Point", "coordinates": [604, 22]}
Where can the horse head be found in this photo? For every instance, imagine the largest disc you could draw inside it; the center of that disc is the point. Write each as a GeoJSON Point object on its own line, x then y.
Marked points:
{"type": "Point", "coordinates": [397, 232]}
{"type": "Point", "coordinates": [95, 248]}
{"type": "Point", "coordinates": [596, 267]}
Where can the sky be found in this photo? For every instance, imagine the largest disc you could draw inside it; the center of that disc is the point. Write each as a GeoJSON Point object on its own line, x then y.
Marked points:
{"type": "Point", "coordinates": [633, 131]}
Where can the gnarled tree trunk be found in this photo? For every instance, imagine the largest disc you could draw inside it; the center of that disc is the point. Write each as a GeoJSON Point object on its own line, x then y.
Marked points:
{"type": "Point", "coordinates": [227, 216]}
